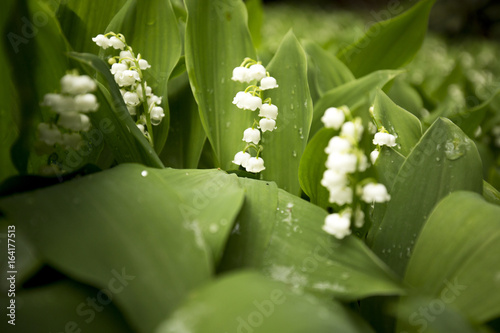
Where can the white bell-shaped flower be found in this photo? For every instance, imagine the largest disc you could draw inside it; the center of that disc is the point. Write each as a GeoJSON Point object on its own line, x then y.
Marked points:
{"type": "Point", "coordinates": [241, 158]}
{"type": "Point", "coordinates": [127, 78]}
{"type": "Point", "coordinates": [157, 115]}
{"type": "Point", "coordinates": [131, 98]}
{"type": "Point", "coordinates": [77, 84]}
{"type": "Point", "coordinates": [49, 134]}
{"type": "Point", "coordinates": [143, 64]}
{"type": "Point", "coordinates": [332, 178]}
{"type": "Point", "coordinates": [338, 145]}
{"type": "Point", "coordinates": [255, 164]}
{"type": "Point", "coordinates": [384, 139]}
{"type": "Point", "coordinates": [333, 118]}
{"type": "Point", "coordinates": [257, 72]}
{"type": "Point", "coordinates": [251, 135]}
{"type": "Point", "coordinates": [116, 43]}
{"type": "Point", "coordinates": [102, 41]}
{"type": "Point", "coordinates": [340, 195]}
{"type": "Point", "coordinates": [341, 162]}
{"type": "Point", "coordinates": [86, 103]}
{"type": "Point", "coordinates": [352, 130]}
{"type": "Point", "coordinates": [74, 121]}
{"type": "Point", "coordinates": [118, 68]}
{"type": "Point", "coordinates": [241, 74]}
{"type": "Point", "coordinates": [247, 101]}
{"type": "Point", "coordinates": [59, 103]}
{"type": "Point", "coordinates": [268, 83]}
{"type": "Point", "coordinates": [268, 111]}
{"type": "Point", "coordinates": [375, 193]}
{"type": "Point", "coordinates": [267, 124]}
{"type": "Point", "coordinates": [338, 225]}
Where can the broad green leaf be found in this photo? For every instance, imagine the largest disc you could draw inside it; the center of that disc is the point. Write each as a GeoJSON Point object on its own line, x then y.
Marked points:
{"type": "Point", "coordinates": [425, 314]}
{"type": "Point", "coordinates": [490, 193]}
{"type": "Point", "coordinates": [63, 307]}
{"type": "Point", "coordinates": [328, 71]}
{"type": "Point", "coordinates": [285, 145]}
{"type": "Point", "coordinates": [153, 32]}
{"type": "Point", "coordinates": [248, 302]}
{"type": "Point", "coordinates": [126, 141]}
{"type": "Point", "coordinates": [217, 40]}
{"type": "Point", "coordinates": [352, 94]}
{"type": "Point", "coordinates": [255, 19]}
{"type": "Point", "coordinates": [387, 165]}
{"type": "Point", "coordinates": [406, 96]}
{"type": "Point", "coordinates": [384, 46]}
{"type": "Point", "coordinates": [397, 121]}
{"type": "Point", "coordinates": [463, 272]}
{"type": "Point", "coordinates": [292, 248]}
{"type": "Point", "coordinates": [186, 136]}
{"type": "Point", "coordinates": [82, 20]}
{"type": "Point", "coordinates": [312, 167]}
{"type": "Point", "coordinates": [129, 221]}
{"type": "Point", "coordinates": [253, 226]}
{"type": "Point", "coordinates": [444, 160]}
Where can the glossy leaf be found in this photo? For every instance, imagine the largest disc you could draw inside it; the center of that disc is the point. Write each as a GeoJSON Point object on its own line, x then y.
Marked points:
{"type": "Point", "coordinates": [312, 167]}
{"type": "Point", "coordinates": [352, 94]}
{"type": "Point", "coordinates": [463, 271]}
{"type": "Point", "coordinates": [63, 307]}
{"type": "Point", "coordinates": [285, 145]}
{"type": "Point", "coordinates": [141, 228]}
{"type": "Point", "coordinates": [217, 40]}
{"type": "Point", "coordinates": [126, 141]}
{"type": "Point", "coordinates": [397, 121]}
{"type": "Point", "coordinates": [444, 160]}
{"type": "Point", "coordinates": [384, 46]}
{"type": "Point", "coordinates": [255, 19]}
{"type": "Point", "coordinates": [247, 301]}
{"type": "Point", "coordinates": [292, 248]}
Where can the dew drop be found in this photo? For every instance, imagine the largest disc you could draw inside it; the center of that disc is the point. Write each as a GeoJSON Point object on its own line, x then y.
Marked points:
{"type": "Point", "coordinates": [144, 173]}
{"type": "Point", "coordinates": [213, 228]}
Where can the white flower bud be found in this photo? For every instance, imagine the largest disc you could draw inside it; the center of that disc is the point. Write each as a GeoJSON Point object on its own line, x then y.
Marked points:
{"type": "Point", "coordinates": [131, 98]}
{"type": "Point", "coordinates": [333, 179]}
{"type": "Point", "coordinates": [132, 110]}
{"type": "Point", "coordinates": [77, 84]}
{"type": "Point", "coordinates": [266, 124]}
{"type": "Point", "coordinates": [74, 121]}
{"type": "Point", "coordinates": [359, 218]}
{"type": "Point", "coordinates": [333, 118]}
{"type": "Point", "coordinates": [101, 41]}
{"type": "Point", "coordinates": [116, 43]}
{"type": "Point", "coordinates": [383, 138]}
{"type": "Point", "coordinates": [362, 162]}
{"type": "Point", "coordinates": [375, 193]}
{"type": "Point", "coordinates": [141, 128]}
{"type": "Point", "coordinates": [338, 225]}
{"type": "Point", "coordinates": [251, 135]}
{"type": "Point", "coordinates": [255, 165]}
{"type": "Point", "coordinates": [49, 134]}
{"type": "Point", "coordinates": [59, 103]}
{"type": "Point", "coordinates": [126, 55]}
{"type": "Point", "coordinates": [341, 162]}
{"type": "Point", "coordinates": [268, 83]}
{"type": "Point", "coordinates": [241, 158]}
{"type": "Point", "coordinates": [338, 145]}
{"type": "Point", "coordinates": [118, 68]}
{"type": "Point", "coordinates": [257, 72]}
{"type": "Point", "coordinates": [86, 103]}
{"type": "Point", "coordinates": [268, 111]}
{"type": "Point", "coordinates": [352, 130]}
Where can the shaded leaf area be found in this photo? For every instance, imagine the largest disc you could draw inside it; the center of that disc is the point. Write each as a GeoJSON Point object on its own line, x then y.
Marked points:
{"type": "Point", "coordinates": [406, 96]}
{"type": "Point", "coordinates": [120, 132]}
{"type": "Point", "coordinates": [490, 193]}
{"type": "Point", "coordinates": [65, 307]}
{"type": "Point", "coordinates": [443, 161]}
{"type": "Point", "coordinates": [352, 94]}
{"type": "Point", "coordinates": [280, 234]}
{"type": "Point", "coordinates": [217, 40]}
{"type": "Point", "coordinates": [325, 71]}
{"type": "Point", "coordinates": [285, 145]}
{"type": "Point", "coordinates": [397, 121]}
{"type": "Point", "coordinates": [255, 18]}
{"type": "Point", "coordinates": [151, 29]}
{"type": "Point", "coordinates": [312, 167]}
{"type": "Point", "coordinates": [130, 221]}
{"type": "Point", "coordinates": [463, 272]}
{"type": "Point", "coordinates": [82, 20]}
{"type": "Point", "coordinates": [249, 302]}
{"type": "Point", "coordinates": [387, 166]}
{"type": "Point", "coordinates": [384, 46]}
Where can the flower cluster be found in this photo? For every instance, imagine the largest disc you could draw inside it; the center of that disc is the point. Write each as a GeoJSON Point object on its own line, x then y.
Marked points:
{"type": "Point", "coordinates": [71, 106]}
{"type": "Point", "coordinates": [251, 71]}
{"type": "Point", "coordinates": [127, 69]}
{"type": "Point", "coordinates": [346, 160]}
